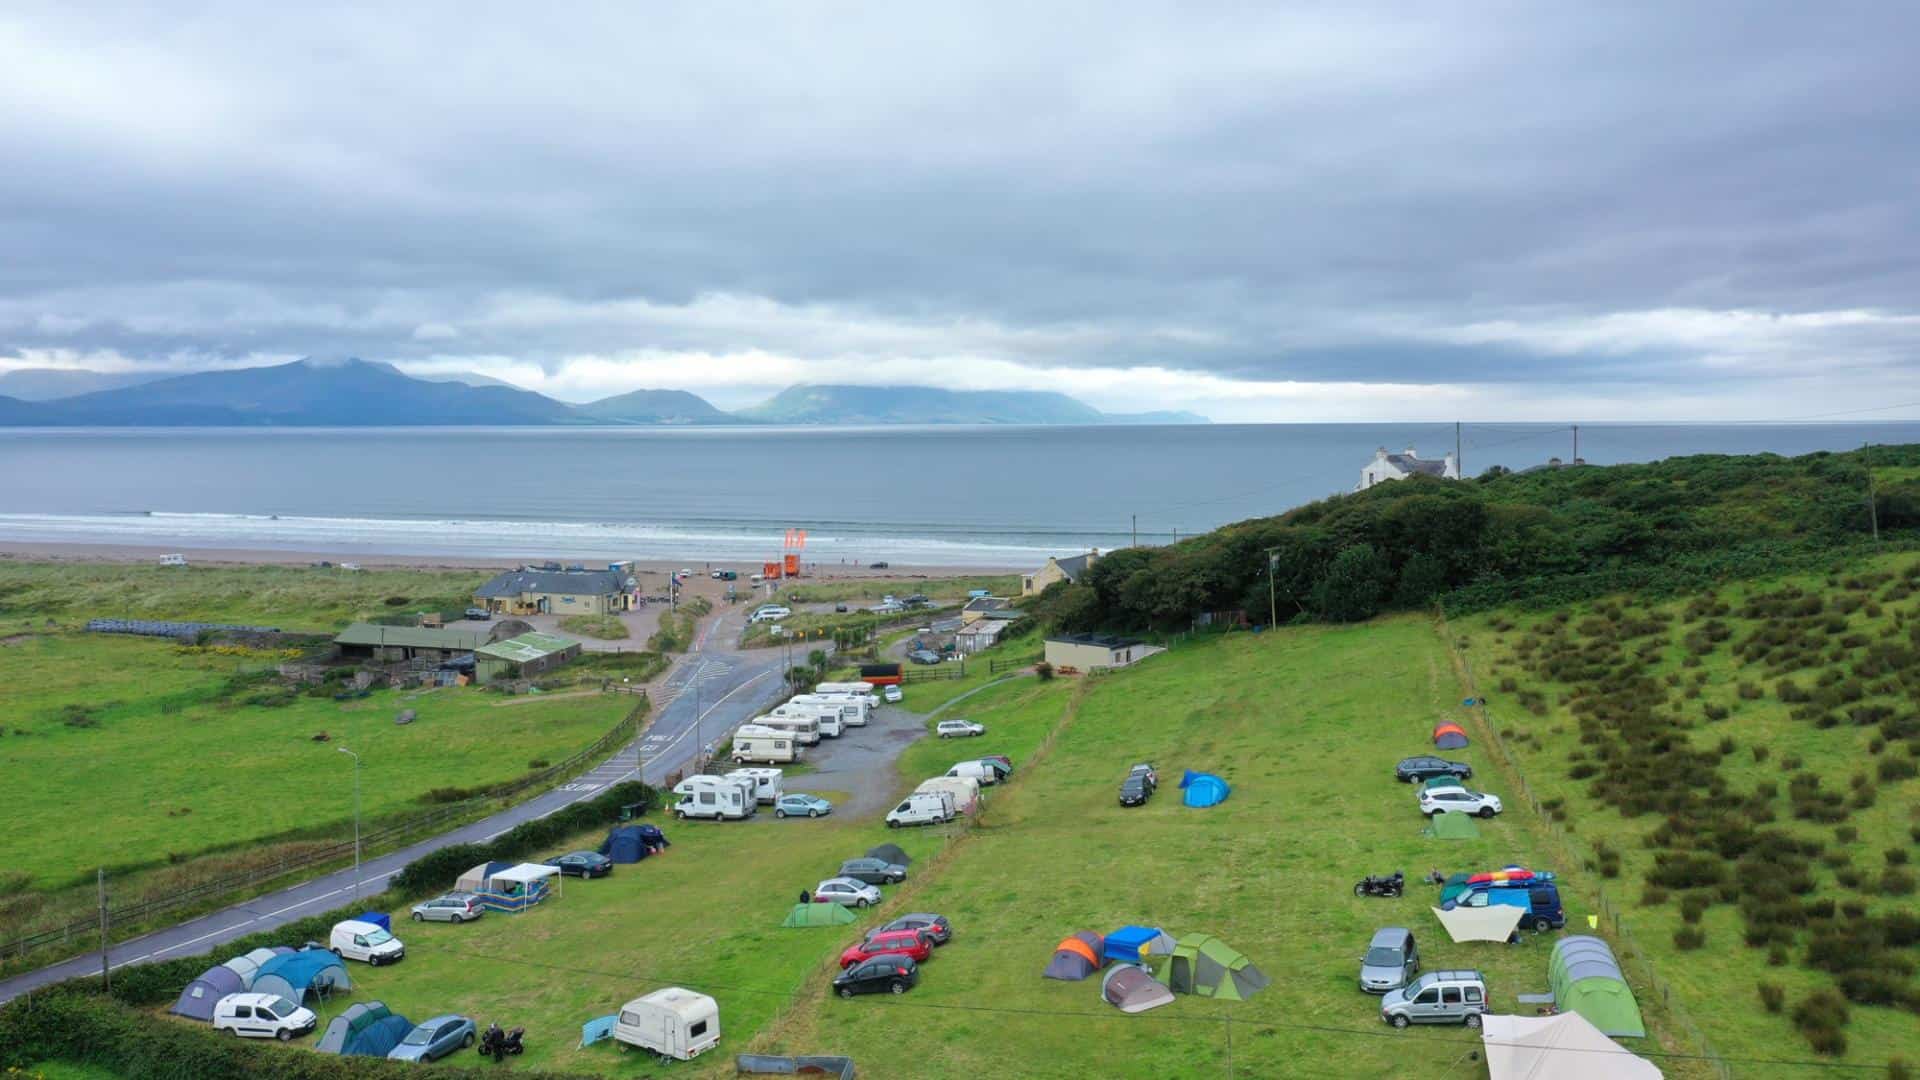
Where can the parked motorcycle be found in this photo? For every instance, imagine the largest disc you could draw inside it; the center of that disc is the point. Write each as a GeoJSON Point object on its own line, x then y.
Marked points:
{"type": "Point", "coordinates": [497, 1044]}
{"type": "Point", "coordinates": [1381, 885]}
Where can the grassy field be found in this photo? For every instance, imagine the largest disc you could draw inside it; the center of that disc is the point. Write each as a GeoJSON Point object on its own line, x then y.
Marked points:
{"type": "Point", "coordinates": [63, 1070]}
{"type": "Point", "coordinates": [1839, 648]}
{"type": "Point", "coordinates": [291, 598]}
{"type": "Point", "coordinates": [604, 627]}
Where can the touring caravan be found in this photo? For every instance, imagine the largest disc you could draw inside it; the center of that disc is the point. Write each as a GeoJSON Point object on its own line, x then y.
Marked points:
{"type": "Point", "coordinates": [826, 715]}
{"type": "Point", "coordinates": [719, 797]}
{"type": "Point", "coordinates": [766, 783]}
{"type": "Point", "coordinates": [853, 709]}
{"type": "Point", "coordinates": [804, 729]}
{"type": "Point", "coordinates": [756, 742]}
{"type": "Point", "coordinates": [673, 1023]}
{"type": "Point", "coordinates": [862, 690]}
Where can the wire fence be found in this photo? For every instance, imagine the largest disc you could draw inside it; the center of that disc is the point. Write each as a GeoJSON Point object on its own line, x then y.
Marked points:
{"type": "Point", "coordinates": [1577, 854]}
{"type": "Point", "coordinates": [87, 930]}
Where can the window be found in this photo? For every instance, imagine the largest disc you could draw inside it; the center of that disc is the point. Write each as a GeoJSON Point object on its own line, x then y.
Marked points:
{"type": "Point", "coordinates": [265, 1014]}
{"type": "Point", "coordinates": [243, 1012]}
{"type": "Point", "coordinates": [1427, 997]}
{"type": "Point", "coordinates": [697, 1030]}
{"type": "Point", "coordinates": [1450, 995]}
{"type": "Point", "coordinates": [1473, 995]}
{"type": "Point", "coordinates": [706, 798]}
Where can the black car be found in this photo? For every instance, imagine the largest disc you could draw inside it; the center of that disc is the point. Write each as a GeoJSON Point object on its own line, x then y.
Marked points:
{"type": "Point", "coordinates": [1134, 790]}
{"type": "Point", "coordinates": [1147, 772]}
{"type": "Point", "coordinates": [840, 609]}
{"type": "Point", "coordinates": [877, 566]}
{"type": "Point", "coordinates": [936, 928]}
{"type": "Point", "coordinates": [586, 864]}
{"type": "Point", "coordinates": [886, 973]}
{"type": "Point", "coordinates": [924, 656]}
{"type": "Point", "coordinates": [1414, 770]}
{"type": "Point", "coordinates": [873, 871]}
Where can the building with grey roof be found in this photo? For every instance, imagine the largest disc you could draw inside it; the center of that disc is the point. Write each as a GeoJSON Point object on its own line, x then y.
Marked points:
{"type": "Point", "coordinates": [1386, 466]}
{"type": "Point", "coordinates": [529, 591]}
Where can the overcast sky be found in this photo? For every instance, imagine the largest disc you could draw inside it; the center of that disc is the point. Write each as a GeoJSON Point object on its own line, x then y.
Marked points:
{"type": "Point", "coordinates": [1693, 211]}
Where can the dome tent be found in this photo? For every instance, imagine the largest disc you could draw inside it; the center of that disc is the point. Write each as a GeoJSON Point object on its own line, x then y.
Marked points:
{"type": "Point", "coordinates": [1448, 735]}
{"type": "Point", "coordinates": [1134, 989]}
{"type": "Point", "coordinates": [1076, 957]}
{"type": "Point", "coordinates": [364, 1030]}
{"type": "Point", "coordinates": [1204, 789]}
{"type": "Point", "coordinates": [1134, 944]}
{"type": "Point", "coordinates": [804, 915]}
{"type": "Point", "coordinates": [197, 1000]}
{"type": "Point", "coordinates": [294, 975]}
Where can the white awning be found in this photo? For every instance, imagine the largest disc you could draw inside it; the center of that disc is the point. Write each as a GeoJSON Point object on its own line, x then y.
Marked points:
{"type": "Point", "coordinates": [1495, 922]}
{"type": "Point", "coordinates": [1563, 1047]}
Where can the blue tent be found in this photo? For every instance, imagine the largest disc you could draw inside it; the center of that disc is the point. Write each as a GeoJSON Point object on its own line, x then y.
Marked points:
{"type": "Point", "coordinates": [1133, 944]}
{"type": "Point", "coordinates": [624, 845]}
{"type": "Point", "coordinates": [294, 975]}
{"type": "Point", "coordinates": [364, 1030]}
{"type": "Point", "coordinates": [377, 918]}
{"type": "Point", "coordinates": [1204, 789]}
{"type": "Point", "coordinates": [196, 1001]}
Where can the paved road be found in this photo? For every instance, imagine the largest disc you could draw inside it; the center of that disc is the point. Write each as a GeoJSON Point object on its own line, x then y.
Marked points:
{"type": "Point", "coordinates": [727, 686]}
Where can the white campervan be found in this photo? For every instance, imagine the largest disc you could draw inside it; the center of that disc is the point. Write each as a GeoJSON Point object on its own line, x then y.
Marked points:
{"type": "Point", "coordinates": [804, 729]}
{"type": "Point", "coordinates": [852, 709]}
{"type": "Point", "coordinates": [719, 797]}
{"type": "Point", "coordinates": [978, 771]}
{"type": "Point", "coordinates": [766, 783]}
{"type": "Point", "coordinates": [922, 808]}
{"type": "Point", "coordinates": [757, 742]}
{"type": "Point", "coordinates": [862, 690]}
{"type": "Point", "coordinates": [673, 1023]}
{"type": "Point", "coordinates": [826, 715]}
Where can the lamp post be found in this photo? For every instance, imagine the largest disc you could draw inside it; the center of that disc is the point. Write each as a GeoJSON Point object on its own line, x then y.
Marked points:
{"type": "Point", "coordinates": [356, 821]}
{"type": "Point", "coordinates": [1273, 567]}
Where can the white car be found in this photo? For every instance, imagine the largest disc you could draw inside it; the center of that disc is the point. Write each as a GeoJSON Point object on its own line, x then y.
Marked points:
{"type": "Point", "coordinates": [846, 890]}
{"type": "Point", "coordinates": [891, 694]}
{"type": "Point", "coordinates": [262, 1016]}
{"type": "Point", "coordinates": [355, 940]}
{"type": "Point", "coordinates": [959, 729]}
{"type": "Point", "coordinates": [1459, 801]}
{"type": "Point", "coordinates": [771, 613]}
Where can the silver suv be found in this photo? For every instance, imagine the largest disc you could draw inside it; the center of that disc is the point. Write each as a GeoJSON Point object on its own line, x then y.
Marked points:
{"type": "Point", "coordinates": [1438, 997]}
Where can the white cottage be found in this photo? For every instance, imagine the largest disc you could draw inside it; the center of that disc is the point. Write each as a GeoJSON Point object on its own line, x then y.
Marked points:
{"type": "Point", "coordinates": [1386, 466]}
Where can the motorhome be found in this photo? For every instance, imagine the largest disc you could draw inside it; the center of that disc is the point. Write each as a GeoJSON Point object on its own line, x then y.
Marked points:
{"type": "Point", "coordinates": [922, 808]}
{"type": "Point", "coordinates": [756, 742]}
{"type": "Point", "coordinates": [804, 729]}
{"type": "Point", "coordinates": [721, 797]}
{"type": "Point", "coordinates": [853, 707]}
{"type": "Point", "coordinates": [863, 690]}
{"type": "Point", "coordinates": [845, 713]}
{"type": "Point", "coordinates": [673, 1023]}
{"type": "Point", "coordinates": [827, 716]}
{"type": "Point", "coordinates": [766, 783]}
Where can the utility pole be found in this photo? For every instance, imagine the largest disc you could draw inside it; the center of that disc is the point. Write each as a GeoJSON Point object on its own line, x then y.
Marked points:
{"type": "Point", "coordinates": [1873, 501]}
{"type": "Point", "coordinates": [1576, 443]}
{"type": "Point", "coordinates": [1136, 530]}
{"type": "Point", "coordinates": [1459, 460]}
{"type": "Point", "coordinates": [1273, 609]}
{"type": "Point", "coordinates": [106, 969]}
{"type": "Point", "coordinates": [356, 821]}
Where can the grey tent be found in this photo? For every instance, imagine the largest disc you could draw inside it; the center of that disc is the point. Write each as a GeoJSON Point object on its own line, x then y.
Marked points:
{"type": "Point", "coordinates": [364, 1030]}
{"type": "Point", "coordinates": [891, 853]}
{"type": "Point", "coordinates": [1132, 989]}
{"type": "Point", "coordinates": [196, 1001]}
{"type": "Point", "coordinates": [1076, 957]}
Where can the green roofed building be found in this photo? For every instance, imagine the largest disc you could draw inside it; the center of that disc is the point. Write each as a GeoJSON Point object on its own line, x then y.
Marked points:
{"type": "Point", "coordinates": [392, 644]}
{"type": "Point", "coordinates": [525, 657]}
{"type": "Point", "coordinates": [804, 915]}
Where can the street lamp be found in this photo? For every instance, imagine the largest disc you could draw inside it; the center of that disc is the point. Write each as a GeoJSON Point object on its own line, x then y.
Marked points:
{"type": "Point", "coordinates": [1273, 569]}
{"type": "Point", "coordinates": [356, 821]}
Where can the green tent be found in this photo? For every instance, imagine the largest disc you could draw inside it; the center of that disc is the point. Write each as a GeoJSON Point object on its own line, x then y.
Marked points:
{"type": "Point", "coordinates": [818, 915]}
{"type": "Point", "coordinates": [1453, 827]}
{"type": "Point", "coordinates": [1447, 781]}
{"type": "Point", "coordinates": [1585, 978]}
{"type": "Point", "coordinates": [1203, 964]}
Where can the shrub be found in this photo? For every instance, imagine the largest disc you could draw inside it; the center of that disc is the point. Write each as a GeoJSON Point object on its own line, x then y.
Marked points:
{"type": "Point", "coordinates": [1896, 856]}
{"type": "Point", "coordinates": [1777, 956]}
{"type": "Point", "coordinates": [1772, 996]}
{"type": "Point", "coordinates": [1896, 882]}
{"type": "Point", "coordinates": [1820, 1016]}
{"type": "Point", "coordinates": [1688, 938]}
{"type": "Point", "coordinates": [1846, 834]}
{"type": "Point", "coordinates": [1761, 753]}
{"type": "Point", "coordinates": [1751, 691]}
{"type": "Point", "coordinates": [1653, 896]}
{"type": "Point", "coordinates": [1790, 762]}
{"type": "Point", "coordinates": [1692, 906]}
{"type": "Point", "coordinates": [395, 601]}
{"type": "Point", "coordinates": [1897, 768]}
{"type": "Point", "coordinates": [1043, 671]}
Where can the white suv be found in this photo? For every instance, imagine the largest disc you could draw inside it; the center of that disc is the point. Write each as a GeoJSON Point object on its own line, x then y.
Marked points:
{"type": "Point", "coordinates": [952, 729]}
{"type": "Point", "coordinates": [1459, 801]}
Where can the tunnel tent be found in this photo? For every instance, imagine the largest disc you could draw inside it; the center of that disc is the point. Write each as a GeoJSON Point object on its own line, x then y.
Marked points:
{"type": "Point", "coordinates": [1452, 827]}
{"type": "Point", "coordinates": [1566, 1047]}
{"type": "Point", "coordinates": [1075, 958]}
{"type": "Point", "coordinates": [197, 1000]}
{"type": "Point", "coordinates": [1204, 965]}
{"type": "Point", "coordinates": [1133, 944]}
{"type": "Point", "coordinates": [1448, 735]}
{"type": "Point", "coordinates": [366, 1029]}
{"type": "Point", "coordinates": [805, 915]}
{"type": "Point", "coordinates": [890, 852]}
{"type": "Point", "coordinates": [1203, 789]}
{"type": "Point", "coordinates": [295, 975]}
{"type": "Point", "coordinates": [1586, 979]}
{"type": "Point", "coordinates": [1133, 989]}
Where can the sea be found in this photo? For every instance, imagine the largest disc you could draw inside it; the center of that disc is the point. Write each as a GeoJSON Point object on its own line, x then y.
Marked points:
{"type": "Point", "coordinates": [951, 496]}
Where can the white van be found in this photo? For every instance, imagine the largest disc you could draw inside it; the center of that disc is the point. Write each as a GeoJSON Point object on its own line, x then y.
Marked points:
{"type": "Point", "coordinates": [766, 783]}
{"type": "Point", "coordinates": [355, 940]}
{"type": "Point", "coordinates": [674, 1023]}
{"type": "Point", "coordinates": [826, 714]}
{"type": "Point", "coordinates": [262, 1016]}
{"type": "Point", "coordinates": [804, 729]}
{"type": "Point", "coordinates": [173, 560]}
{"type": "Point", "coordinates": [922, 808]}
{"type": "Point", "coordinates": [757, 742]}
{"type": "Point", "coordinates": [978, 771]}
{"type": "Point", "coordinates": [719, 797]}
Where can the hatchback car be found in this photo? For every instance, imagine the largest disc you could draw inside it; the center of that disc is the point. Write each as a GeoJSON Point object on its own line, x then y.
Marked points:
{"type": "Point", "coordinates": [846, 891]}
{"type": "Point", "coordinates": [455, 907]}
{"type": "Point", "coordinates": [887, 942]}
{"type": "Point", "coordinates": [585, 864]}
{"type": "Point", "coordinates": [1135, 791]}
{"type": "Point", "coordinates": [1392, 958]}
{"type": "Point", "coordinates": [873, 871]}
{"type": "Point", "coordinates": [431, 1040]}
{"type": "Point", "coordinates": [959, 729]}
{"type": "Point", "coordinates": [891, 694]}
{"type": "Point", "coordinates": [1458, 800]}
{"type": "Point", "coordinates": [1415, 769]}
{"type": "Point", "coordinates": [840, 609]}
{"type": "Point", "coordinates": [801, 804]}
{"type": "Point", "coordinates": [936, 927]}
{"type": "Point", "coordinates": [1438, 997]}
{"type": "Point", "coordinates": [924, 656]}
{"type": "Point", "coordinates": [1147, 772]}
{"type": "Point", "coordinates": [888, 973]}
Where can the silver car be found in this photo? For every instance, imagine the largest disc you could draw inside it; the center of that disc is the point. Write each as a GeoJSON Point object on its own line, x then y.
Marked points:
{"type": "Point", "coordinates": [454, 907]}
{"type": "Point", "coordinates": [1392, 958]}
{"type": "Point", "coordinates": [1438, 997]}
{"type": "Point", "coordinates": [846, 891]}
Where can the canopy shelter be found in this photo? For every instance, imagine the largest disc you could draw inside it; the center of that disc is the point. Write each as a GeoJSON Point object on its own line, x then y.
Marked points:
{"type": "Point", "coordinates": [1134, 989]}
{"type": "Point", "coordinates": [805, 915]}
{"type": "Point", "coordinates": [196, 1001]}
{"type": "Point", "coordinates": [519, 887]}
{"type": "Point", "coordinates": [364, 1030]}
{"type": "Point", "coordinates": [1203, 789]}
{"type": "Point", "coordinates": [890, 852]}
{"type": "Point", "coordinates": [1495, 922]}
{"type": "Point", "coordinates": [1563, 1047]}
{"type": "Point", "coordinates": [1133, 944]}
{"type": "Point", "coordinates": [1448, 735]}
{"type": "Point", "coordinates": [1204, 965]}
{"type": "Point", "coordinates": [1075, 958]}
{"type": "Point", "coordinates": [1452, 827]}
{"type": "Point", "coordinates": [1586, 979]}
{"type": "Point", "coordinates": [297, 974]}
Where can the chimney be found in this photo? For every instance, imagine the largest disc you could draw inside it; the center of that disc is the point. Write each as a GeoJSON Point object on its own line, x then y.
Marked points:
{"type": "Point", "coordinates": [1411, 454]}
{"type": "Point", "coordinates": [1380, 454]}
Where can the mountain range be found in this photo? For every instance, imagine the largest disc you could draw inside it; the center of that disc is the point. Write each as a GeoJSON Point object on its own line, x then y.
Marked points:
{"type": "Point", "coordinates": [360, 393]}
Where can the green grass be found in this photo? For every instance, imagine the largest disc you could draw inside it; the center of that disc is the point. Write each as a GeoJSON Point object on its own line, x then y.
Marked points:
{"type": "Point", "coordinates": [944, 589]}
{"type": "Point", "coordinates": [815, 626]}
{"type": "Point", "coordinates": [604, 627]}
{"type": "Point", "coordinates": [62, 1070]}
{"type": "Point", "coordinates": [292, 598]}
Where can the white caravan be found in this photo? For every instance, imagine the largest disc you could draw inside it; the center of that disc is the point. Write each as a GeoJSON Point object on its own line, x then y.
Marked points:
{"type": "Point", "coordinates": [757, 742]}
{"type": "Point", "coordinates": [720, 797]}
{"type": "Point", "coordinates": [766, 783]}
{"type": "Point", "coordinates": [804, 729]}
{"type": "Point", "coordinates": [673, 1023]}
{"type": "Point", "coordinates": [922, 808]}
{"type": "Point", "coordinates": [862, 690]}
{"type": "Point", "coordinates": [965, 790]}
{"type": "Point", "coordinates": [853, 710]}
{"type": "Point", "coordinates": [830, 715]}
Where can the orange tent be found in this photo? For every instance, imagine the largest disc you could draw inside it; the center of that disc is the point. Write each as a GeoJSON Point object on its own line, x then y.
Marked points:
{"type": "Point", "coordinates": [1077, 957]}
{"type": "Point", "coordinates": [1449, 736]}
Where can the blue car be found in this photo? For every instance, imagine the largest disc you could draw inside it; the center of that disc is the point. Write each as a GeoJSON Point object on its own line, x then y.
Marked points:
{"type": "Point", "coordinates": [433, 1039]}
{"type": "Point", "coordinates": [801, 805]}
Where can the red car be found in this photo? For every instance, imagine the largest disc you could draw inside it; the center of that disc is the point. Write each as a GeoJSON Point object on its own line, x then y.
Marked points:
{"type": "Point", "coordinates": [905, 942]}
